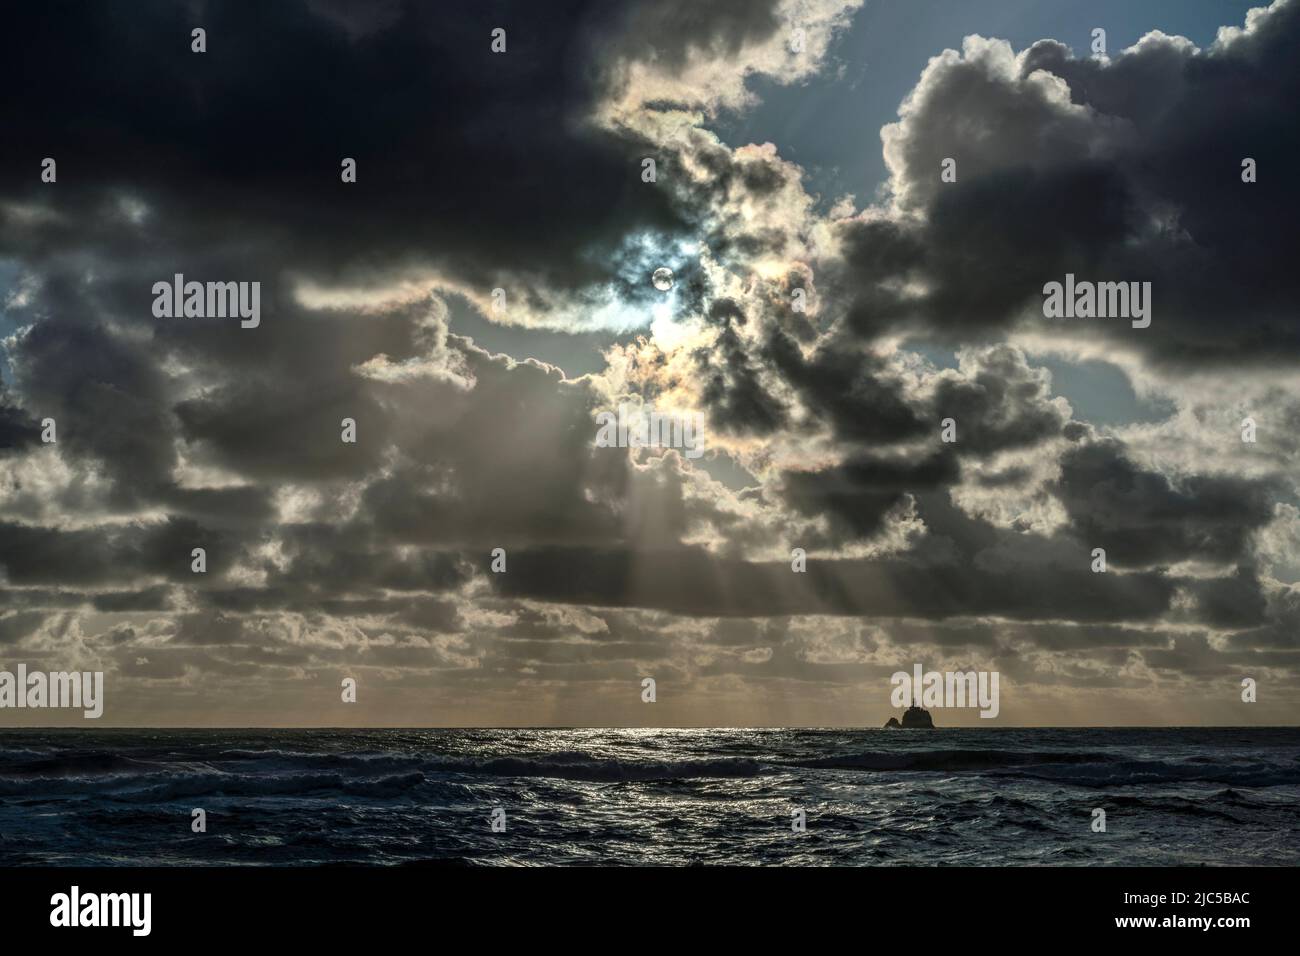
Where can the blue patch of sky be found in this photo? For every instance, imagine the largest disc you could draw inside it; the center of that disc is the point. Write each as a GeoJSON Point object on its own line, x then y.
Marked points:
{"type": "Point", "coordinates": [576, 353]}
{"type": "Point", "coordinates": [831, 123]}
{"type": "Point", "coordinates": [724, 469]}
{"type": "Point", "coordinates": [1100, 393]}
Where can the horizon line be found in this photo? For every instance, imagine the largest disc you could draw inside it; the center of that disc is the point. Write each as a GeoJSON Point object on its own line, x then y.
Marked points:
{"type": "Point", "coordinates": [1295, 726]}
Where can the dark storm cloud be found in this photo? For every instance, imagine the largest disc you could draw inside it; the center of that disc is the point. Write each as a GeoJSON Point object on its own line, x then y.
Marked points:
{"type": "Point", "coordinates": [241, 505]}
{"type": "Point", "coordinates": [469, 159]}
{"type": "Point", "coordinates": [1090, 637]}
{"type": "Point", "coordinates": [567, 653]}
{"type": "Point", "coordinates": [857, 495]}
{"type": "Point", "coordinates": [1232, 602]}
{"type": "Point", "coordinates": [111, 401]}
{"type": "Point", "coordinates": [740, 632]}
{"type": "Point", "coordinates": [36, 597]}
{"type": "Point", "coordinates": [848, 388]}
{"type": "Point", "coordinates": [114, 554]}
{"type": "Point", "coordinates": [689, 581]}
{"type": "Point", "coordinates": [107, 396]}
{"type": "Point", "coordinates": [1138, 180]}
{"type": "Point", "coordinates": [737, 400]}
{"type": "Point", "coordinates": [1002, 479]}
{"type": "Point", "coordinates": [1195, 119]}
{"type": "Point", "coordinates": [341, 560]}
{"type": "Point", "coordinates": [275, 409]}
{"type": "Point", "coordinates": [1143, 517]}
{"type": "Point", "coordinates": [999, 403]}
{"type": "Point", "coordinates": [428, 615]}
{"type": "Point", "coordinates": [328, 573]}
{"type": "Point", "coordinates": [989, 245]}
{"type": "Point", "coordinates": [945, 634]}
{"type": "Point", "coordinates": [295, 433]}
{"type": "Point", "coordinates": [41, 555]}
{"type": "Point", "coordinates": [19, 625]}
{"type": "Point", "coordinates": [1194, 656]}
{"type": "Point", "coordinates": [996, 399]}
{"type": "Point", "coordinates": [150, 599]}
{"type": "Point", "coordinates": [210, 629]}
{"type": "Point", "coordinates": [1281, 632]}
{"type": "Point", "coordinates": [18, 430]}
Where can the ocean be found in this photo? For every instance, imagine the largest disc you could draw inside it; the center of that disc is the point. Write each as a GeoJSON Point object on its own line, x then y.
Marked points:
{"type": "Point", "coordinates": [674, 797]}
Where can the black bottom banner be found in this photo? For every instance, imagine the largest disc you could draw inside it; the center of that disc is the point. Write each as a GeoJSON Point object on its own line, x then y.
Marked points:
{"type": "Point", "coordinates": [1220, 906]}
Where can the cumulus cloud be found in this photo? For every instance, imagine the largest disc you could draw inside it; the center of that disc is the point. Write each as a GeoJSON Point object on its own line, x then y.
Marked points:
{"type": "Point", "coordinates": [1125, 169]}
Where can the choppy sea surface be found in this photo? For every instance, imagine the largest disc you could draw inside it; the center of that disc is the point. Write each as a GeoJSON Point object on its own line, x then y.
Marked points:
{"type": "Point", "coordinates": [871, 797]}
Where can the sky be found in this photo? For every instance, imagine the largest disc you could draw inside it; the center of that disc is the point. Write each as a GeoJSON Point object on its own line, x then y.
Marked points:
{"type": "Point", "coordinates": [899, 457]}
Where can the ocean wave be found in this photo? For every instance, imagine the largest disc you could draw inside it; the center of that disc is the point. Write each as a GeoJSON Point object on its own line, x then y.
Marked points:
{"type": "Point", "coordinates": [350, 773]}
{"type": "Point", "coordinates": [290, 771]}
{"type": "Point", "coordinates": [584, 796]}
{"type": "Point", "coordinates": [164, 787]}
{"type": "Point", "coordinates": [583, 767]}
{"type": "Point", "coordinates": [1127, 773]}
{"type": "Point", "coordinates": [71, 763]}
{"type": "Point", "coordinates": [939, 760]}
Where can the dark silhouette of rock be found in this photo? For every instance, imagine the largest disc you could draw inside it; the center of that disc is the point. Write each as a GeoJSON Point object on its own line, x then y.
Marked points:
{"type": "Point", "coordinates": [917, 717]}
{"type": "Point", "coordinates": [912, 717]}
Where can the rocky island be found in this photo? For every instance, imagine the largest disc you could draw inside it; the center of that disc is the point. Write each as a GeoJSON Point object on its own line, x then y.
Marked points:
{"type": "Point", "coordinates": [912, 717]}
